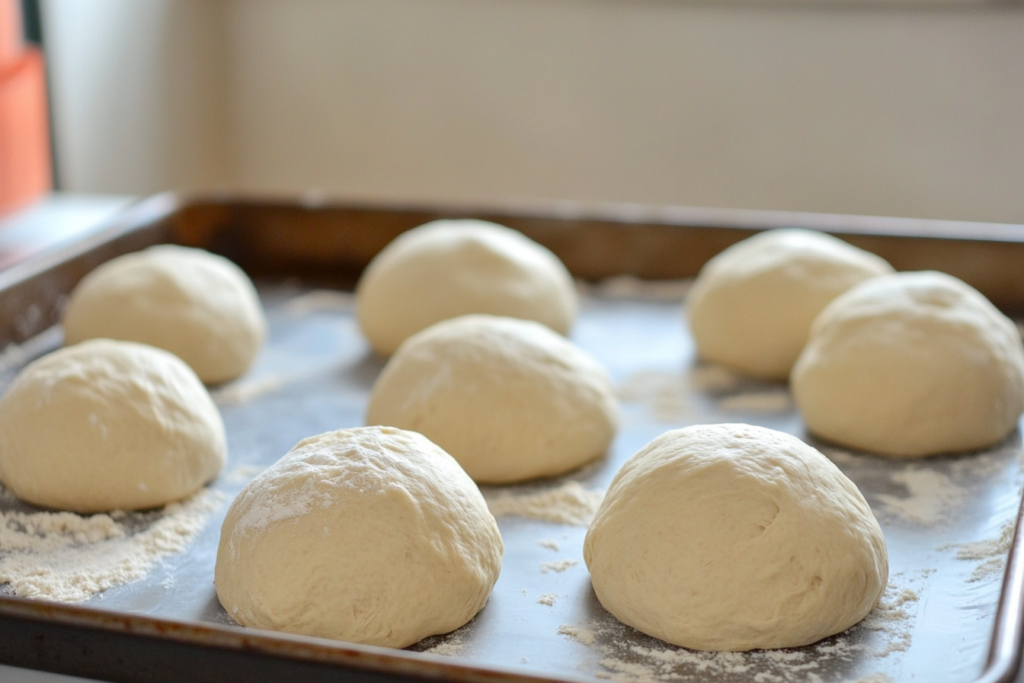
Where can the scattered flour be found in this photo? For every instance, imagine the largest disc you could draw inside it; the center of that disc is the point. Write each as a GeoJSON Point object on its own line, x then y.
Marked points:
{"type": "Point", "coordinates": [246, 390]}
{"type": "Point", "coordinates": [627, 656]}
{"type": "Point", "coordinates": [65, 557]}
{"type": "Point", "coordinates": [45, 532]}
{"type": "Point", "coordinates": [992, 552]}
{"type": "Point", "coordinates": [580, 635]}
{"type": "Point", "coordinates": [933, 496]}
{"type": "Point", "coordinates": [672, 396]}
{"type": "Point", "coordinates": [711, 378]}
{"type": "Point", "coordinates": [320, 301]}
{"type": "Point", "coordinates": [550, 545]}
{"type": "Point", "coordinates": [891, 617]}
{"type": "Point", "coordinates": [777, 401]}
{"type": "Point", "coordinates": [243, 473]}
{"type": "Point", "coordinates": [990, 568]}
{"type": "Point", "coordinates": [990, 547]}
{"type": "Point", "coordinates": [558, 566]}
{"type": "Point", "coordinates": [978, 466]}
{"type": "Point", "coordinates": [569, 503]}
{"type": "Point", "coordinates": [450, 645]}
{"type": "Point", "coordinates": [548, 599]}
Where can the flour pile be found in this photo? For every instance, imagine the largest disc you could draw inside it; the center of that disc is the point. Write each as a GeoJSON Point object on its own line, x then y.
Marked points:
{"type": "Point", "coordinates": [622, 658]}
{"type": "Point", "coordinates": [569, 504]}
{"type": "Point", "coordinates": [66, 557]}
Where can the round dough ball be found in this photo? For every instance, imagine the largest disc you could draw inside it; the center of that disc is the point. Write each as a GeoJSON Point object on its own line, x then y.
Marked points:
{"type": "Point", "coordinates": [449, 268]}
{"type": "Point", "coordinates": [734, 537]}
{"type": "Point", "coordinates": [371, 535]}
{"type": "Point", "coordinates": [909, 365]}
{"type": "Point", "coordinates": [751, 306]}
{"type": "Point", "coordinates": [107, 425]}
{"type": "Point", "coordinates": [509, 399]}
{"type": "Point", "coordinates": [199, 306]}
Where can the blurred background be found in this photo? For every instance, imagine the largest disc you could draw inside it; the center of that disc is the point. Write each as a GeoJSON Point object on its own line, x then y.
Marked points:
{"type": "Point", "coordinates": [887, 107]}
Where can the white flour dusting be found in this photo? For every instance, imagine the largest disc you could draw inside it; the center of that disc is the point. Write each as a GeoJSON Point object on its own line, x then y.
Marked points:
{"type": "Point", "coordinates": [320, 301]}
{"type": "Point", "coordinates": [548, 599]}
{"type": "Point", "coordinates": [992, 552]}
{"type": "Point", "coordinates": [65, 557]}
{"type": "Point", "coordinates": [775, 401]}
{"type": "Point", "coordinates": [580, 635]}
{"type": "Point", "coordinates": [44, 532]}
{"type": "Point", "coordinates": [550, 545]}
{"type": "Point", "coordinates": [890, 616]}
{"type": "Point", "coordinates": [711, 378]}
{"type": "Point", "coordinates": [671, 396]}
{"type": "Point", "coordinates": [448, 644]}
{"type": "Point", "coordinates": [246, 390]}
{"type": "Point", "coordinates": [558, 566]}
{"type": "Point", "coordinates": [977, 466]}
{"type": "Point", "coordinates": [569, 503]}
{"type": "Point", "coordinates": [292, 502]}
{"type": "Point", "coordinates": [621, 658]}
{"type": "Point", "coordinates": [932, 498]}
{"type": "Point", "coordinates": [243, 473]}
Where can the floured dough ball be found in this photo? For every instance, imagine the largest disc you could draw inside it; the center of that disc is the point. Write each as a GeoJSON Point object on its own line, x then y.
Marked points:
{"type": "Point", "coordinates": [734, 537]}
{"type": "Point", "coordinates": [199, 306]}
{"type": "Point", "coordinates": [371, 535]}
{"type": "Point", "coordinates": [449, 268]}
{"type": "Point", "coordinates": [509, 399]}
{"type": "Point", "coordinates": [107, 425]}
{"type": "Point", "coordinates": [909, 365]}
{"type": "Point", "coordinates": [751, 307]}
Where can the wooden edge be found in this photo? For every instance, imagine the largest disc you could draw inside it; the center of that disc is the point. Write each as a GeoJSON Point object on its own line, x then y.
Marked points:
{"type": "Point", "coordinates": [313, 234]}
{"type": "Point", "coordinates": [625, 213]}
{"type": "Point", "coordinates": [33, 293]}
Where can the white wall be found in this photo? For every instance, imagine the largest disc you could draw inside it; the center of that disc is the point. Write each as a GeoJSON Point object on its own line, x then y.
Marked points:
{"type": "Point", "coordinates": [138, 93]}
{"type": "Point", "coordinates": [909, 111]}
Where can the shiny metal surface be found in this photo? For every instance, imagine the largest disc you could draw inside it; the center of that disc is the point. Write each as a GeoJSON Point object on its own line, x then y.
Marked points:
{"type": "Point", "coordinates": [315, 375]}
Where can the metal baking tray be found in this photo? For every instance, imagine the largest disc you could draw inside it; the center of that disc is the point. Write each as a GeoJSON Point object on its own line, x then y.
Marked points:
{"type": "Point", "coordinates": [954, 609]}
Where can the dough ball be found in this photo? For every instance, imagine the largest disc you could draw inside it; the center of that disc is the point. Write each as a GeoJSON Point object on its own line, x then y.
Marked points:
{"type": "Point", "coordinates": [107, 425]}
{"type": "Point", "coordinates": [751, 307]}
{"type": "Point", "coordinates": [449, 268]}
{"type": "Point", "coordinates": [197, 305]}
{"type": "Point", "coordinates": [509, 399]}
{"type": "Point", "coordinates": [734, 537]}
{"type": "Point", "coordinates": [909, 365]}
{"type": "Point", "coordinates": [371, 535]}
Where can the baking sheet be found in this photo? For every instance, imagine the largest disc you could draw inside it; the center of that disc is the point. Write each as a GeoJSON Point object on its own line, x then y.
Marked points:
{"type": "Point", "coordinates": [315, 375]}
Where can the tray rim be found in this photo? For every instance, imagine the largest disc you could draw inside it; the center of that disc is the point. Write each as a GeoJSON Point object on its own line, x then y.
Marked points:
{"type": "Point", "coordinates": [1006, 647]}
{"type": "Point", "coordinates": [623, 213]}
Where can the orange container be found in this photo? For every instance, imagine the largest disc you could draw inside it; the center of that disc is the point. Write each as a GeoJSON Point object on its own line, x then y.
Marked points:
{"type": "Point", "coordinates": [10, 33]}
{"type": "Point", "coordinates": [24, 135]}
